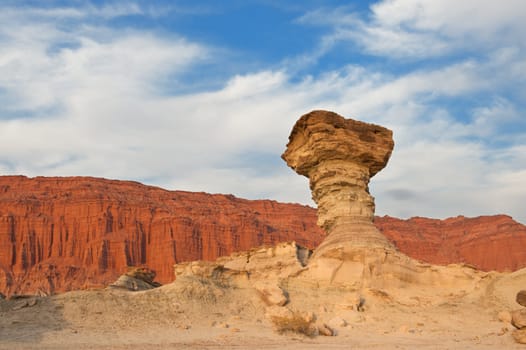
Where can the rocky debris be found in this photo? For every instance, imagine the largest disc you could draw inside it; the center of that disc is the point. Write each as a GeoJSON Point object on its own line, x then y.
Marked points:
{"type": "Point", "coordinates": [144, 274]}
{"type": "Point", "coordinates": [25, 303]}
{"type": "Point", "coordinates": [271, 294]}
{"type": "Point", "coordinates": [136, 279]}
{"type": "Point", "coordinates": [220, 324]}
{"type": "Point", "coordinates": [339, 156]}
{"type": "Point", "coordinates": [325, 330]}
{"type": "Point", "coordinates": [518, 318]}
{"type": "Point", "coordinates": [521, 298]}
{"type": "Point", "coordinates": [519, 335]}
{"type": "Point", "coordinates": [131, 284]}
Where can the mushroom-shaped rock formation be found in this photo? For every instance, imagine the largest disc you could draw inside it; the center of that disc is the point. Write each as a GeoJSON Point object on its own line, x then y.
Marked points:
{"type": "Point", "coordinates": [339, 156]}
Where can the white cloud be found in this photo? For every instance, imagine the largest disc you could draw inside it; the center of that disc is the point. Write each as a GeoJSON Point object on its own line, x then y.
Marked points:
{"type": "Point", "coordinates": [106, 11]}
{"type": "Point", "coordinates": [95, 105]}
{"type": "Point", "coordinates": [487, 19]}
{"type": "Point", "coordinates": [417, 29]}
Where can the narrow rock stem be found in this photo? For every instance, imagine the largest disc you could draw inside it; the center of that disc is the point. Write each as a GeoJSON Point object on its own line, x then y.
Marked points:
{"type": "Point", "coordinates": [340, 188]}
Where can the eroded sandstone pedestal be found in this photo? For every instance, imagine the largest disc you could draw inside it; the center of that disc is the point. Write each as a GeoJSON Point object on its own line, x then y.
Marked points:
{"type": "Point", "coordinates": [339, 156]}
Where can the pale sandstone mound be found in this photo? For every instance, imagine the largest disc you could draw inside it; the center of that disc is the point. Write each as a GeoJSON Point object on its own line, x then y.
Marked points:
{"type": "Point", "coordinates": [281, 292]}
{"type": "Point", "coordinates": [339, 156]}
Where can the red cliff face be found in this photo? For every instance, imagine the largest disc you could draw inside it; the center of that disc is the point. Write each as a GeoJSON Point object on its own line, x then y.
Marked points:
{"type": "Point", "coordinates": [58, 234]}
{"type": "Point", "coordinates": [486, 242]}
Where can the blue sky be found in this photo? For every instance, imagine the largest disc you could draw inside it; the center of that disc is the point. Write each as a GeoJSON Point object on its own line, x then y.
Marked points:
{"type": "Point", "coordinates": [201, 95]}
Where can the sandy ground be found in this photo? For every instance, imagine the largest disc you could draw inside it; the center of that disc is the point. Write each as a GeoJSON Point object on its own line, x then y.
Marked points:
{"type": "Point", "coordinates": [202, 316]}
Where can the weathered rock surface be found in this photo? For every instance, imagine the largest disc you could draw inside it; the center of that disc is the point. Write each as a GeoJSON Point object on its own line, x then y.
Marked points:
{"type": "Point", "coordinates": [267, 264]}
{"type": "Point", "coordinates": [518, 318]}
{"type": "Point", "coordinates": [142, 273]}
{"type": "Point", "coordinates": [520, 335]}
{"type": "Point", "coordinates": [271, 294]}
{"type": "Point", "coordinates": [59, 234]}
{"type": "Point", "coordinates": [339, 156]}
{"type": "Point", "coordinates": [131, 284]}
{"type": "Point", "coordinates": [137, 278]}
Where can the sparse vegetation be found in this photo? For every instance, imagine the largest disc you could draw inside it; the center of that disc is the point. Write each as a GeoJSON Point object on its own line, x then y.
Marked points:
{"type": "Point", "coordinates": [295, 322]}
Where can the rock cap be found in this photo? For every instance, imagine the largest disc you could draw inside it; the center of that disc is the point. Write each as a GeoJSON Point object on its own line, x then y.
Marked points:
{"type": "Point", "coordinates": [323, 136]}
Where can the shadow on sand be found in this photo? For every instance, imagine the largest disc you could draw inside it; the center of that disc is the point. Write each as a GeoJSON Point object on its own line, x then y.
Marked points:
{"type": "Point", "coordinates": [25, 320]}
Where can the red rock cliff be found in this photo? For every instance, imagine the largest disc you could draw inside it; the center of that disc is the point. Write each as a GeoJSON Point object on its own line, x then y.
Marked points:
{"type": "Point", "coordinates": [58, 234]}
{"type": "Point", "coordinates": [486, 242]}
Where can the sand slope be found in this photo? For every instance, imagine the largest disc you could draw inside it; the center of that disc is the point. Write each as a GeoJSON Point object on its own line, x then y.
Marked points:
{"type": "Point", "coordinates": [194, 313]}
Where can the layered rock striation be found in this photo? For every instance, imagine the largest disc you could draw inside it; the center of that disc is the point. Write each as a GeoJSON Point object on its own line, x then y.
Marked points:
{"type": "Point", "coordinates": [339, 156]}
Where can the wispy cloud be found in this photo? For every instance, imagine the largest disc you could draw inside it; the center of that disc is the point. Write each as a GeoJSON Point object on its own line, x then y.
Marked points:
{"type": "Point", "coordinates": [416, 29]}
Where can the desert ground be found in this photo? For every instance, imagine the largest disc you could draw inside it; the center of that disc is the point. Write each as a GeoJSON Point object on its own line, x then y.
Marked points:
{"type": "Point", "coordinates": [198, 314]}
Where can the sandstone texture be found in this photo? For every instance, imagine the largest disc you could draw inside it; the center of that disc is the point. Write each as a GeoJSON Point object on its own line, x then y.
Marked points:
{"type": "Point", "coordinates": [518, 318]}
{"type": "Point", "coordinates": [339, 156]}
{"type": "Point", "coordinates": [520, 335]}
{"type": "Point", "coordinates": [59, 234]}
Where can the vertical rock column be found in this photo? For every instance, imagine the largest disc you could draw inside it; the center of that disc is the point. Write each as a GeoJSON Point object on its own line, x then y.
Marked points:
{"type": "Point", "coordinates": [339, 156]}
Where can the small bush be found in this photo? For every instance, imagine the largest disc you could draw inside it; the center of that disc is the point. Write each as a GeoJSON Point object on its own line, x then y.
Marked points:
{"type": "Point", "coordinates": [295, 322]}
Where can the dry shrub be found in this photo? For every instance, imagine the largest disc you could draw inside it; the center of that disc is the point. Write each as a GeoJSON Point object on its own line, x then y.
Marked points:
{"type": "Point", "coordinates": [295, 322]}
